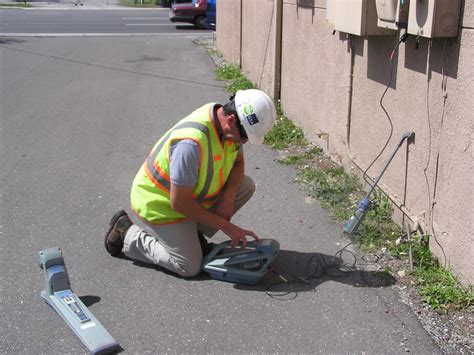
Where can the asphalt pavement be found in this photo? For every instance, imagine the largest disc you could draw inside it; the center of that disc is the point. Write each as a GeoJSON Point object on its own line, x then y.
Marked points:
{"type": "Point", "coordinates": [78, 117]}
{"type": "Point", "coordinates": [71, 4]}
{"type": "Point", "coordinates": [79, 4]}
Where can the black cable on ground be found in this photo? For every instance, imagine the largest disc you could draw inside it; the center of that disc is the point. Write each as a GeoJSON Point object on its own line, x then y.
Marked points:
{"type": "Point", "coordinates": [316, 267]}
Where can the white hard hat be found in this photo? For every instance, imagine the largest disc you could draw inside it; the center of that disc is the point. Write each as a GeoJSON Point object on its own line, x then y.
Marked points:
{"type": "Point", "coordinates": [256, 113]}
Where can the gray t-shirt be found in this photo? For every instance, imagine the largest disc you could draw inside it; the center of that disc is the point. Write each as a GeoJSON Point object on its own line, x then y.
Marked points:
{"type": "Point", "coordinates": [185, 157]}
{"type": "Point", "coordinates": [184, 162]}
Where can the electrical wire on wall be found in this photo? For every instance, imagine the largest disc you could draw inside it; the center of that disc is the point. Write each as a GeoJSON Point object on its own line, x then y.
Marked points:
{"type": "Point", "coordinates": [432, 195]}
{"type": "Point", "coordinates": [403, 38]}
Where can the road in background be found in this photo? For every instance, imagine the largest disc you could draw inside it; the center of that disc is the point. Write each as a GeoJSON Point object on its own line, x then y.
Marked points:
{"type": "Point", "coordinates": [79, 20]}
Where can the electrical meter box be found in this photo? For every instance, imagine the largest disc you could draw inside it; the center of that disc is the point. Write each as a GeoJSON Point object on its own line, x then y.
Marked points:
{"type": "Point", "coordinates": [434, 18]}
{"type": "Point", "coordinates": [357, 17]}
{"type": "Point", "coordinates": [392, 14]}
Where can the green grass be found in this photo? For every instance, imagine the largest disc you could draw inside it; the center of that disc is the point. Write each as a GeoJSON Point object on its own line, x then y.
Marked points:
{"type": "Point", "coordinates": [284, 134]}
{"type": "Point", "coordinates": [438, 286]}
{"type": "Point", "coordinates": [228, 72]}
{"type": "Point", "coordinates": [385, 273]}
{"type": "Point", "coordinates": [20, 4]}
{"type": "Point", "coordinates": [378, 229]}
{"type": "Point", "coordinates": [303, 157]}
{"type": "Point", "coordinates": [332, 187]}
{"type": "Point", "coordinates": [340, 193]}
{"type": "Point", "coordinates": [132, 3]}
{"type": "Point", "coordinates": [240, 83]}
{"type": "Point", "coordinates": [234, 77]}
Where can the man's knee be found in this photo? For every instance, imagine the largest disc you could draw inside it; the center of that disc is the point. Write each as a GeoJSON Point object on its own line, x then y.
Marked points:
{"type": "Point", "coordinates": [247, 186]}
{"type": "Point", "coordinates": [189, 269]}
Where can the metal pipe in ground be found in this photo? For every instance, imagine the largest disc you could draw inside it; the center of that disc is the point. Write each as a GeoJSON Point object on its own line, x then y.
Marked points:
{"type": "Point", "coordinates": [410, 251]}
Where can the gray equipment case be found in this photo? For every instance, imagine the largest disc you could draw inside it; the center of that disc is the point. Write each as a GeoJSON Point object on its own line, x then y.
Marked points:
{"type": "Point", "coordinates": [241, 265]}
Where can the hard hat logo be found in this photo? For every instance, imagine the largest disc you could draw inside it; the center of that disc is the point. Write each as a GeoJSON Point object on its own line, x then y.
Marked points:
{"type": "Point", "coordinates": [252, 119]}
{"type": "Point", "coordinates": [248, 109]}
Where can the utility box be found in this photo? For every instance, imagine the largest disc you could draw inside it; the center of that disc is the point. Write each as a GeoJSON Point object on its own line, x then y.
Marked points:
{"type": "Point", "coordinates": [357, 17]}
{"type": "Point", "coordinates": [392, 14]}
{"type": "Point", "coordinates": [434, 18]}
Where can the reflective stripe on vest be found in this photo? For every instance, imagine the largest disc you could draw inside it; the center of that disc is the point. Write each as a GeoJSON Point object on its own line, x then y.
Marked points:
{"type": "Point", "coordinates": [150, 193]}
{"type": "Point", "coordinates": [164, 181]}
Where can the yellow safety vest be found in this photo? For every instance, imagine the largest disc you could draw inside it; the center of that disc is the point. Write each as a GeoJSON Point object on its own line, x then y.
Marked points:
{"type": "Point", "coordinates": [150, 193]}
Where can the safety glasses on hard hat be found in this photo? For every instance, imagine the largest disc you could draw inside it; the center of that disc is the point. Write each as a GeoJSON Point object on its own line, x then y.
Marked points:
{"type": "Point", "coordinates": [241, 129]}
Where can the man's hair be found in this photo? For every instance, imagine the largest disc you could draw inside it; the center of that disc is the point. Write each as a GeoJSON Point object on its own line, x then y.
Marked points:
{"type": "Point", "coordinates": [229, 108]}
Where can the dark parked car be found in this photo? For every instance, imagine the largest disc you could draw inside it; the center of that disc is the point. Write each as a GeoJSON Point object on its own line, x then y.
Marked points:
{"type": "Point", "coordinates": [191, 12]}
{"type": "Point", "coordinates": [211, 15]}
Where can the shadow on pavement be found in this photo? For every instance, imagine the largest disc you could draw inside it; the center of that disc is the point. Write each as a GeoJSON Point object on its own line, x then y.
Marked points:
{"type": "Point", "coordinates": [202, 276]}
{"type": "Point", "coordinates": [89, 300]}
{"type": "Point", "coordinates": [11, 40]}
{"type": "Point", "coordinates": [304, 272]}
{"type": "Point", "coordinates": [190, 27]}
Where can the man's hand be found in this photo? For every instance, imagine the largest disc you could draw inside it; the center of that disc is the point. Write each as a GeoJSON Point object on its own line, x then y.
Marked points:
{"type": "Point", "coordinates": [237, 235]}
{"type": "Point", "coordinates": [182, 201]}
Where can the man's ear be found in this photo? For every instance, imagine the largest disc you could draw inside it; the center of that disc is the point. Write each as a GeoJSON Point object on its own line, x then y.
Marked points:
{"type": "Point", "coordinates": [231, 118]}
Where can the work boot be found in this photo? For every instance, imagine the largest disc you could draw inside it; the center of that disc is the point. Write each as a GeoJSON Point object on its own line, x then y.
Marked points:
{"type": "Point", "coordinates": [118, 227]}
{"type": "Point", "coordinates": [206, 246]}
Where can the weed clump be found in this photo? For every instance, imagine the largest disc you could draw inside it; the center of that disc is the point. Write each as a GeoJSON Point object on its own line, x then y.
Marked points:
{"type": "Point", "coordinates": [438, 287]}
{"type": "Point", "coordinates": [284, 133]}
{"type": "Point", "coordinates": [235, 79]}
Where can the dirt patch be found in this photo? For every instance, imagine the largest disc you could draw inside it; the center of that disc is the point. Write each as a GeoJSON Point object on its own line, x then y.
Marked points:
{"type": "Point", "coordinates": [453, 331]}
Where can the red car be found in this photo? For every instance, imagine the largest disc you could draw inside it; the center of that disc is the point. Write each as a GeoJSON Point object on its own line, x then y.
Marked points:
{"type": "Point", "coordinates": [191, 12]}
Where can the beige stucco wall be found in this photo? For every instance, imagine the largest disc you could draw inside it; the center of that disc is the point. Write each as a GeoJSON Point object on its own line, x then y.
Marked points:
{"type": "Point", "coordinates": [315, 77]}
{"type": "Point", "coordinates": [228, 22]}
{"type": "Point", "coordinates": [434, 178]}
{"type": "Point", "coordinates": [256, 36]}
{"type": "Point", "coordinates": [257, 42]}
{"type": "Point", "coordinates": [431, 95]}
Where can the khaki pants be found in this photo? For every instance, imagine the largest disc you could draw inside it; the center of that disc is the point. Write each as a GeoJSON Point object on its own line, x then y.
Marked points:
{"type": "Point", "coordinates": [176, 247]}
